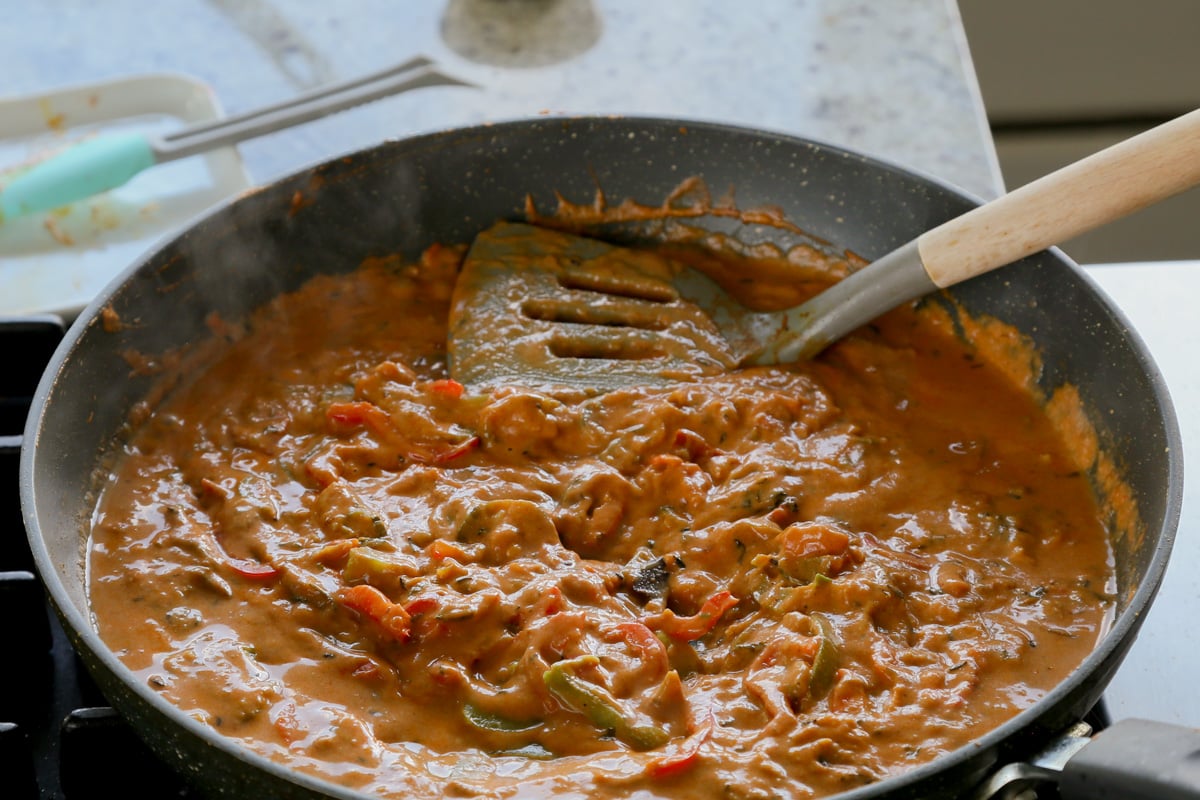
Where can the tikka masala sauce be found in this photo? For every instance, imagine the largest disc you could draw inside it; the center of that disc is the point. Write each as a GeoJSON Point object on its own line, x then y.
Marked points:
{"type": "Point", "coordinates": [778, 582]}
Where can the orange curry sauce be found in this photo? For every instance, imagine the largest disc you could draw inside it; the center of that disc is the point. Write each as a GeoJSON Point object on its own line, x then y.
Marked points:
{"type": "Point", "coordinates": [776, 583]}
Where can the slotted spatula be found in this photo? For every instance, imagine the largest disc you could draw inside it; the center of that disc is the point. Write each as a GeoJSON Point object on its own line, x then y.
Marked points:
{"type": "Point", "coordinates": [536, 307]}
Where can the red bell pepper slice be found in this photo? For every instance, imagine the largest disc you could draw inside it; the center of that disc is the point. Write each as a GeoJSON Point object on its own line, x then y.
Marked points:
{"type": "Point", "coordinates": [253, 570]}
{"type": "Point", "coordinates": [443, 456]}
{"type": "Point", "coordinates": [375, 606]}
{"type": "Point", "coordinates": [695, 445]}
{"type": "Point", "coordinates": [359, 412]}
{"type": "Point", "coordinates": [689, 629]}
{"type": "Point", "coordinates": [421, 605]}
{"type": "Point", "coordinates": [447, 388]}
{"type": "Point", "coordinates": [683, 755]}
{"type": "Point", "coordinates": [245, 567]}
{"type": "Point", "coordinates": [641, 637]}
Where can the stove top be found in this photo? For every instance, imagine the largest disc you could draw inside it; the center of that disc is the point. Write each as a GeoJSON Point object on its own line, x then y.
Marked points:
{"type": "Point", "coordinates": [59, 740]}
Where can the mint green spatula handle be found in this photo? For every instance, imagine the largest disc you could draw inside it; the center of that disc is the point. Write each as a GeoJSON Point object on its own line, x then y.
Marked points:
{"type": "Point", "coordinates": [106, 162]}
{"type": "Point", "coordinates": [88, 168]}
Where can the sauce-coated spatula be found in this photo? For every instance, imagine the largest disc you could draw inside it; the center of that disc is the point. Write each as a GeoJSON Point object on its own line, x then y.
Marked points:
{"type": "Point", "coordinates": [538, 307]}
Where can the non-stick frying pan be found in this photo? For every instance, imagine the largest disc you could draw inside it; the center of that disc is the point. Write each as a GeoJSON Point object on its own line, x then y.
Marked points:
{"type": "Point", "coordinates": [402, 196]}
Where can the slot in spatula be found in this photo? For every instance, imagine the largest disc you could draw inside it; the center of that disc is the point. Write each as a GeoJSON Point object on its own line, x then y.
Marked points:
{"type": "Point", "coordinates": [536, 307]}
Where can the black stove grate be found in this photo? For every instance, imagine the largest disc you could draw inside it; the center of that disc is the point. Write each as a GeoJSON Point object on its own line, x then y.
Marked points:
{"type": "Point", "coordinates": [59, 740]}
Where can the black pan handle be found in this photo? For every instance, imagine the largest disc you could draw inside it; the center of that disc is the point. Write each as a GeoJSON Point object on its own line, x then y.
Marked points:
{"type": "Point", "coordinates": [1135, 759]}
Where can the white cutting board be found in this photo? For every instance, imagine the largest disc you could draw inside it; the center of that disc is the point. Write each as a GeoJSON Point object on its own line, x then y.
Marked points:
{"type": "Point", "coordinates": [56, 262]}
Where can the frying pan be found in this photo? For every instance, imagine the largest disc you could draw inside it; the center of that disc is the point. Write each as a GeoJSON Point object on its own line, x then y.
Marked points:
{"type": "Point", "coordinates": [401, 196]}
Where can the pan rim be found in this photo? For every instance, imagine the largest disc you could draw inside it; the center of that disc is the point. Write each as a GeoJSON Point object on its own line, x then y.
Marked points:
{"type": "Point", "coordinates": [1117, 638]}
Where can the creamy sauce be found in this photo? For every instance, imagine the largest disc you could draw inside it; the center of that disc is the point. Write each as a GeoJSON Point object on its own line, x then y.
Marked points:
{"type": "Point", "coordinates": [776, 582]}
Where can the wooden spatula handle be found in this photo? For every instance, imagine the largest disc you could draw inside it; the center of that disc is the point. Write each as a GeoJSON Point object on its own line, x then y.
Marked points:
{"type": "Point", "coordinates": [1084, 195]}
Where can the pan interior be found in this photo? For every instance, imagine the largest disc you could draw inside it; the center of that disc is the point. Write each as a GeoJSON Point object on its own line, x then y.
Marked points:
{"type": "Point", "coordinates": [402, 196]}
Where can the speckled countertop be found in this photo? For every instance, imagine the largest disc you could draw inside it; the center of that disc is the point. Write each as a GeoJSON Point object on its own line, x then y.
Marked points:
{"type": "Point", "coordinates": [891, 79]}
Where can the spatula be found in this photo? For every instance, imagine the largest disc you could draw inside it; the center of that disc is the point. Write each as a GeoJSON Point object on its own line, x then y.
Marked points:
{"type": "Point", "coordinates": [107, 161]}
{"type": "Point", "coordinates": [536, 307]}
